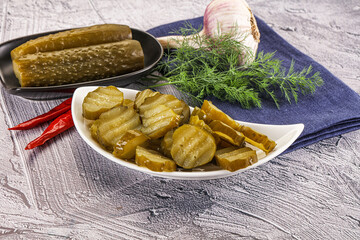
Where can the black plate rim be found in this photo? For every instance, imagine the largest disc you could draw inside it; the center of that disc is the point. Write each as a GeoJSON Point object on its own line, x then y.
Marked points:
{"type": "Point", "coordinates": [75, 85]}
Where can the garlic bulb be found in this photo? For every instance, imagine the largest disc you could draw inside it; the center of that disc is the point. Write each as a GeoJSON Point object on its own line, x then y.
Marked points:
{"type": "Point", "coordinates": [221, 17]}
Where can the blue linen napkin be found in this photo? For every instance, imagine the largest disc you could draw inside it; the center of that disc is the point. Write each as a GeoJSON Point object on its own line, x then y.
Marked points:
{"type": "Point", "coordinates": [334, 109]}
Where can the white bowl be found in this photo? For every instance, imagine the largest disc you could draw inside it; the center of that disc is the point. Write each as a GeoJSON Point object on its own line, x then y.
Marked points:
{"type": "Point", "coordinates": [283, 135]}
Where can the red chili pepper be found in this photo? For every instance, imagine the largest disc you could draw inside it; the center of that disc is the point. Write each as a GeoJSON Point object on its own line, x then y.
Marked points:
{"type": "Point", "coordinates": [53, 113]}
{"type": "Point", "coordinates": [59, 125]}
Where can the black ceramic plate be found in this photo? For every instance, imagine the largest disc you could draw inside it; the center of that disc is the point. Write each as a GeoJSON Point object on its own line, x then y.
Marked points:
{"type": "Point", "coordinates": [152, 53]}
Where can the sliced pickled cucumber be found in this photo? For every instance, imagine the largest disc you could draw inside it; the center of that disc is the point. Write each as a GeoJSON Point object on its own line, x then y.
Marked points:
{"type": "Point", "coordinates": [258, 139]}
{"type": "Point", "coordinates": [252, 137]}
{"type": "Point", "coordinates": [79, 64]}
{"type": "Point", "coordinates": [94, 128]}
{"type": "Point", "coordinates": [195, 120]}
{"type": "Point", "coordinates": [192, 146]}
{"type": "Point", "coordinates": [141, 96]}
{"type": "Point", "coordinates": [158, 120]}
{"type": "Point", "coordinates": [201, 114]}
{"type": "Point", "coordinates": [223, 144]}
{"type": "Point", "coordinates": [227, 133]}
{"type": "Point", "coordinates": [128, 103]}
{"type": "Point", "coordinates": [124, 130]}
{"type": "Point", "coordinates": [233, 159]}
{"type": "Point", "coordinates": [153, 160]}
{"type": "Point", "coordinates": [125, 148]}
{"type": "Point", "coordinates": [80, 37]}
{"type": "Point", "coordinates": [178, 106]}
{"type": "Point", "coordinates": [101, 100]}
{"type": "Point", "coordinates": [185, 112]}
{"type": "Point", "coordinates": [213, 113]}
{"type": "Point", "coordinates": [113, 124]}
{"type": "Point", "coordinates": [225, 150]}
{"type": "Point", "coordinates": [166, 143]}
{"type": "Point", "coordinates": [155, 144]}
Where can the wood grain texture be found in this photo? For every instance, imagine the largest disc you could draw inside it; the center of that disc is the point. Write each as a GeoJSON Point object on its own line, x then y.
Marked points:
{"type": "Point", "coordinates": [65, 190]}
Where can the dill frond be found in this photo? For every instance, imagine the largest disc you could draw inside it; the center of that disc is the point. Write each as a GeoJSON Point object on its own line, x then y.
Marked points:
{"type": "Point", "coordinates": [213, 69]}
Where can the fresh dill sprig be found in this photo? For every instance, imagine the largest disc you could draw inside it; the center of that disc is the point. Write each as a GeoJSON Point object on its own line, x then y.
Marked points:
{"type": "Point", "coordinates": [213, 68]}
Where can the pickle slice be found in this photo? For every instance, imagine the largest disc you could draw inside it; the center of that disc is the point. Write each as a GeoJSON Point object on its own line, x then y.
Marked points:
{"type": "Point", "coordinates": [223, 144]}
{"type": "Point", "coordinates": [185, 113]}
{"type": "Point", "coordinates": [201, 114]}
{"type": "Point", "coordinates": [192, 146]}
{"type": "Point", "coordinates": [233, 159]}
{"type": "Point", "coordinates": [101, 100]}
{"type": "Point", "coordinates": [178, 106]}
{"type": "Point", "coordinates": [225, 150]}
{"type": "Point", "coordinates": [227, 133]}
{"type": "Point", "coordinates": [141, 96]}
{"type": "Point", "coordinates": [93, 129]}
{"type": "Point", "coordinates": [80, 37]}
{"type": "Point", "coordinates": [80, 64]}
{"type": "Point", "coordinates": [113, 124]}
{"type": "Point", "coordinates": [258, 139]}
{"type": "Point", "coordinates": [155, 144]}
{"type": "Point", "coordinates": [214, 113]}
{"type": "Point", "coordinates": [196, 121]}
{"type": "Point", "coordinates": [153, 160]}
{"type": "Point", "coordinates": [252, 137]}
{"type": "Point", "coordinates": [125, 148]}
{"type": "Point", "coordinates": [158, 120]}
{"type": "Point", "coordinates": [129, 103]}
{"type": "Point", "coordinates": [166, 143]}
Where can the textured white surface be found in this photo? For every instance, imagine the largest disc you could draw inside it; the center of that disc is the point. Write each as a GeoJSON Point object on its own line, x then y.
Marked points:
{"type": "Point", "coordinates": [66, 190]}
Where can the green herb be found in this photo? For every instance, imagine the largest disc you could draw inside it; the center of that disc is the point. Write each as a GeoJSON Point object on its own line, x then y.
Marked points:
{"type": "Point", "coordinates": [213, 69]}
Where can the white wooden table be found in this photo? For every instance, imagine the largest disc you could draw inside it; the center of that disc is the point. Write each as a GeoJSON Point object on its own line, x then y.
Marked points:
{"type": "Point", "coordinates": [66, 190]}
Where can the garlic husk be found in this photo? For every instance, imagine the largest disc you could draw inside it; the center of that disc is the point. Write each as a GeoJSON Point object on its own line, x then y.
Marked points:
{"type": "Point", "coordinates": [225, 17]}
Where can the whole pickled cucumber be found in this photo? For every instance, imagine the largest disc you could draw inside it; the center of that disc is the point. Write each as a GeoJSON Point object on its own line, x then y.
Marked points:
{"type": "Point", "coordinates": [79, 64]}
{"type": "Point", "coordinates": [80, 37]}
